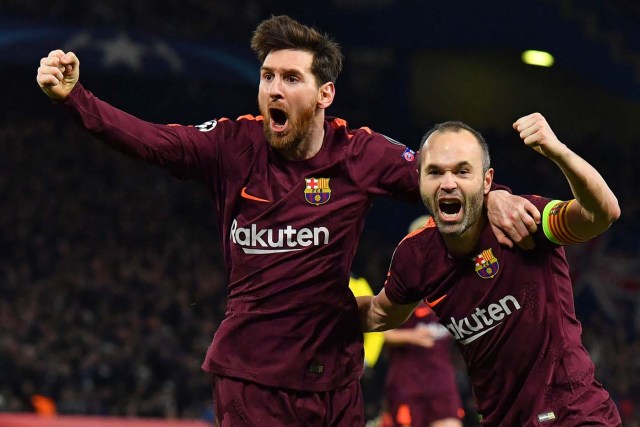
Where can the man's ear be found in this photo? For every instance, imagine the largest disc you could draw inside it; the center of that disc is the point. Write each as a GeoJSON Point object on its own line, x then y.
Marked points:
{"type": "Point", "coordinates": [326, 93]}
{"type": "Point", "coordinates": [488, 180]}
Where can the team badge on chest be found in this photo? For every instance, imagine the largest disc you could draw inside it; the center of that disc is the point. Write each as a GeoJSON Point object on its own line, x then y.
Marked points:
{"type": "Point", "coordinates": [317, 191]}
{"type": "Point", "coordinates": [486, 264]}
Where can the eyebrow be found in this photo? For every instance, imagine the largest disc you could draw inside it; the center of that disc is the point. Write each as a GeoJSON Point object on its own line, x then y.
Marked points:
{"type": "Point", "coordinates": [283, 70]}
{"type": "Point", "coordinates": [457, 166]}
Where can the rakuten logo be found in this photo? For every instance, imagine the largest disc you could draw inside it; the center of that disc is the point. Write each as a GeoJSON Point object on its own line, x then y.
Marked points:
{"type": "Point", "coordinates": [483, 320]}
{"type": "Point", "coordinates": [270, 241]}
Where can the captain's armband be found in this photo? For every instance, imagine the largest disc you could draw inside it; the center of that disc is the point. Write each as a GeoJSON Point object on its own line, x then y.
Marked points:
{"type": "Point", "coordinates": [555, 223]}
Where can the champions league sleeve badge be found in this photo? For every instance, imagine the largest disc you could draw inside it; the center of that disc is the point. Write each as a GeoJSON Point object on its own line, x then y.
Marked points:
{"type": "Point", "coordinates": [409, 155]}
{"type": "Point", "coordinates": [207, 126]}
{"type": "Point", "coordinates": [317, 191]}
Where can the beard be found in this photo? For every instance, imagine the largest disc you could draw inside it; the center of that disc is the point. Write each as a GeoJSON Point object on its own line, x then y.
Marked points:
{"type": "Point", "coordinates": [473, 208]}
{"type": "Point", "coordinates": [298, 129]}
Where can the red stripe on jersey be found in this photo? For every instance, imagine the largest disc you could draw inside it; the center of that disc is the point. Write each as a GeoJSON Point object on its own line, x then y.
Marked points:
{"type": "Point", "coordinates": [387, 279]}
{"type": "Point", "coordinates": [337, 122]}
{"type": "Point", "coordinates": [430, 224]}
{"type": "Point", "coordinates": [250, 117]}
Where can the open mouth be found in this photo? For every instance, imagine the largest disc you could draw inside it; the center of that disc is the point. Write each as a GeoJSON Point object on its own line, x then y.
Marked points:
{"type": "Point", "coordinates": [278, 119]}
{"type": "Point", "coordinates": [450, 209]}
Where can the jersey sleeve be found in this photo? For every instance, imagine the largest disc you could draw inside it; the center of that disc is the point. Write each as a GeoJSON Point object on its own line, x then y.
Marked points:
{"type": "Point", "coordinates": [183, 150]}
{"type": "Point", "coordinates": [403, 279]}
{"type": "Point", "coordinates": [382, 166]}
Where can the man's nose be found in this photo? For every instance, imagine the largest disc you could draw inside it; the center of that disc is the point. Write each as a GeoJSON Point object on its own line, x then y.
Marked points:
{"type": "Point", "coordinates": [275, 88]}
{"type": "Point", "coordinates": [449, 181]}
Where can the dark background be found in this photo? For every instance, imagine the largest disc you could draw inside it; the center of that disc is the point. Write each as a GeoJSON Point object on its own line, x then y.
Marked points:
{"type": "Point", "coordinates": [110, 274]}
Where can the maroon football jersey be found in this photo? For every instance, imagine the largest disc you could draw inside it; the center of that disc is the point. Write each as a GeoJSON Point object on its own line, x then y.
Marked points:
{"type": "Point", "coordinates": [512, 315]}
{"type": "Point", "coordinates": [414, 370]}
{"type": "Point", "coordinates": [289, 232]}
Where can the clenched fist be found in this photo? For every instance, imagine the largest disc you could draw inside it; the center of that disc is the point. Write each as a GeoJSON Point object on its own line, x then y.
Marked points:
{"type": "Point", "coordinates": [58, 74]}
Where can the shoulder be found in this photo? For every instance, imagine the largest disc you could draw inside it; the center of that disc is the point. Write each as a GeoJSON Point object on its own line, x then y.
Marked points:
{"type": "Point", "coordinates": [247, 122]}
{"type": "Point", "coordinates": [246, 129]}
{"type": "Point", "coordinates": [415, 266]}
{"type": "Point", "coordinates": [360, 137]}
{"type": "Point", "coordinates": [380, 165]}
{"type": "Point", "coordinates": [420, 243]}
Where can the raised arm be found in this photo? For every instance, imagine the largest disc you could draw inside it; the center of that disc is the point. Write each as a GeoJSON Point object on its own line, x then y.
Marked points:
{"type": "Point", "coordinates": [378, 313]}
{"type": "Point", "coordinates": [595, 206]}
{"type": "Point", "coordinates": [58, 74]}
{"type": "Point", "coordinates": [181, 149]}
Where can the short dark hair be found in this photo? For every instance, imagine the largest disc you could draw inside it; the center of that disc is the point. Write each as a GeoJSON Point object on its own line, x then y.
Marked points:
{"type": "Point", "coordinates": [282, 32]}
{"type": "Point", "coordinates": [455, 127]}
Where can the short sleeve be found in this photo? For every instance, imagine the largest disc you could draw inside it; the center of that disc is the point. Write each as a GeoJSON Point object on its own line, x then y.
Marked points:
{"type": "Point", "coordinates": [404, 279]}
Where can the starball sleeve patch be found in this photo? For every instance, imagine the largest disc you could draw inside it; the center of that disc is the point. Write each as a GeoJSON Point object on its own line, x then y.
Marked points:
{"type": "Point", "coordinates": [207, 126]}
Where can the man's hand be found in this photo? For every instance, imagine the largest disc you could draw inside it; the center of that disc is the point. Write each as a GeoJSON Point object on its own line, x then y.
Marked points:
{"type": "Point", "coordinates": [58, 74]}
{"type": "Point", "coordinates": [512, 218]}
{"type": "Point", "coordinates": [423, 337]}
{"type": "Point", "coordinates": [537, 134]}
{"type": "Point", "coordinates": [419, 335]}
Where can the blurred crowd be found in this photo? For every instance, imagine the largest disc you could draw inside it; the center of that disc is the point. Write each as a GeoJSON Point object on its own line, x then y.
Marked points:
{"type": "Point", "coordinates": [111, 280]}
{"type": "Point", "coordinates": [111, 285]}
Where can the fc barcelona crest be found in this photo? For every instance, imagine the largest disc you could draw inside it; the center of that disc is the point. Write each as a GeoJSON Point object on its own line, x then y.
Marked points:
{"type": "Point", "coordinates": [486, 264]}
{"type": "Point", "coordinates": [317, 191]}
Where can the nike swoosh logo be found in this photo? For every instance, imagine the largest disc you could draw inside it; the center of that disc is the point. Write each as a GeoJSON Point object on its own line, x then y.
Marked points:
{"type": "Point", "coordinates": [475, 337]}
{"type": "Point", "coordinates": [422, 311]}
{"type": "Point", "coordinates": [246, 195]}
{"type": "Point", "coordinates": [436, 302]}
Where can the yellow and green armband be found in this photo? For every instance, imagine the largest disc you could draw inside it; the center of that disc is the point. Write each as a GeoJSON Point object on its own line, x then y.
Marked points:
{"type": "Point", "coordinates": [555, 223]}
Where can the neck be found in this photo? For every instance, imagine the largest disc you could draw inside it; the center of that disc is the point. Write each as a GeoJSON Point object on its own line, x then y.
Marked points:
{"type": "Point", "coordinates": [311, 143]}
{"type": "Point", "coordinates": [465, 243]}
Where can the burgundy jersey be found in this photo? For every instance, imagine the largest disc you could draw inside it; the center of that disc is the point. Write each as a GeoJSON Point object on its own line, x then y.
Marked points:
{"type": "Point", "coordinates": [289, 233]}
{"type": "Point", "coordinates": [414, 370]}
{"type": "Point", "coordinates": [512, 315]}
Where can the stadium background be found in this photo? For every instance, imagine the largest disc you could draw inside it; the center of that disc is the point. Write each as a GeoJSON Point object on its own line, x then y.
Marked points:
{"type": "Point", "coordinates": [111, 282]}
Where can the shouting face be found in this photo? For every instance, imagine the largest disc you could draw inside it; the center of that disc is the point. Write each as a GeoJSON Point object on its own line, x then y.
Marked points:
{"type": "Point", "coordinates": [288, 98]}
{"type": "Point", "coordinates": [453, 183]}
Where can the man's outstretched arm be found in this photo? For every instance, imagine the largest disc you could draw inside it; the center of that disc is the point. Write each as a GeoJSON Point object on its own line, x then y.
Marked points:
{"type": "Point", "coordinates": [595, 206]}
{"type": "Point", "coordinates": [378, 313]}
